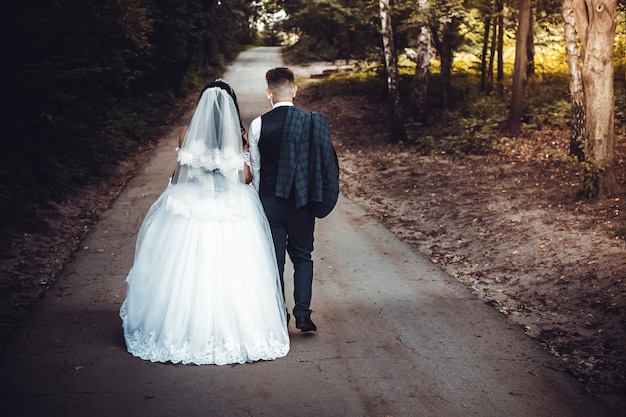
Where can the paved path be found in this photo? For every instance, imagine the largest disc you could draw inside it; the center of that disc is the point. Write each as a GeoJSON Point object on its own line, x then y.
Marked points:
{"type": "Point", "coordinates": [397, 336]}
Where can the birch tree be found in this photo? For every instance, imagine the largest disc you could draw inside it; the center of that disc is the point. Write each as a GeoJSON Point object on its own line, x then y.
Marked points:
{"type": "Point", "coordinates": [396, 126]}
{"type": "Point", "coordinates": [577, 97]}
{"type": "Point", "coordinates": [422, 58]}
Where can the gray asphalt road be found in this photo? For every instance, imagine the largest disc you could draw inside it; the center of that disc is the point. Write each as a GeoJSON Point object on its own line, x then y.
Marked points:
{"type": "Point", "coordinates": [397, 336]}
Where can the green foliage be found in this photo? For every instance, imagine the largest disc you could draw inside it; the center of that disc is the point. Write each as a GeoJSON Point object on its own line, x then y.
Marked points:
{"type": "Point", "coordinates": [355, 82]}
{"type": "Point", "coordinates": [364, 80]}
{"type": "Point", "coordinates": [620, 35]}
{"type": "Point", "coordinates": [309, 50]}
{"type": "Point", "coordinates": [474, 119]}
{"type": "Point", "coordinates": [620, 97]}
{"type": "Point", "coordinates": [472, 129]}
{"type": "Point", "coordinates": [547, 101]}
{"type": "Point", "coordinates": [87, 81]}
{"type": "Point", "coordinates": [591, 176]}
{"type": "Point", "coordinates": [332, 29]}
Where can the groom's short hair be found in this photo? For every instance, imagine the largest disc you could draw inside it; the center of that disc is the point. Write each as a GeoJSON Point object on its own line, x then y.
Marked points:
{"type": "Point", "coordinates": [279, 78]}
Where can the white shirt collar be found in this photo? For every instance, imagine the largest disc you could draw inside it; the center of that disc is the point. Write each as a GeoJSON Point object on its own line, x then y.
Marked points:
{"type": "Point", "coordinates": [282, 103]}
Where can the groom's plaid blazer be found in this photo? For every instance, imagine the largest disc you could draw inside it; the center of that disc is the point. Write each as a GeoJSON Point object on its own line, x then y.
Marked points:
{"type": "Point", "coordinates": [308, 163]}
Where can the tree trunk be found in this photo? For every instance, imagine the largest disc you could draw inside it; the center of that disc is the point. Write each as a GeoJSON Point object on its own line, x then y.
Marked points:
{"type": "Point", "coordinates": [530, 46]}
{"type": "Point", "coordinates": [596, 20]}
{"type": "Point", "coordinates": [492, 54]}
{"type": "Point", "coordinates": [396, 126]}
{"type": "Point", "coordinates": [446, 55]}
{"type": "Point", "coordinates": [483, 60]}
{"type": "Point", "coordinates": [519, 70]}
{"type": "Point", "coordinates": [577, 100]}
{"type": "Point", "coordinates": [422, 72]}
{"type": "Point", "coordinates": [419, 86]}
{"type": "Point", "coordinates": [500, 11]}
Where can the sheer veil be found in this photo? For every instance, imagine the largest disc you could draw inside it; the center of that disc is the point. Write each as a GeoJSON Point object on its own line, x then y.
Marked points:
{"type": "Point", "coordinates": [210, 161]}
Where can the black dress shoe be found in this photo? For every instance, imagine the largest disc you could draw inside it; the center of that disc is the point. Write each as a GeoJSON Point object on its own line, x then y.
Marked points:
{"type": "Point", "coordinates": [305, 324]}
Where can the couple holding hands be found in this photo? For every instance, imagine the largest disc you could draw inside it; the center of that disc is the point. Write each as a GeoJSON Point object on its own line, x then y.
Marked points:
{"type": "Point", "coordinates": [206, 285]}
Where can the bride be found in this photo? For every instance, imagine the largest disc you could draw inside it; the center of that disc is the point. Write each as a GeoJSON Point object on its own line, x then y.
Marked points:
{"type": "Point", "coordinates": [204, 287]}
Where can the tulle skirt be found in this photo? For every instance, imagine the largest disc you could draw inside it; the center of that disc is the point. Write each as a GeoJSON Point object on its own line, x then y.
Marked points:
{"type": "Point", "coordinates": [204, 287]}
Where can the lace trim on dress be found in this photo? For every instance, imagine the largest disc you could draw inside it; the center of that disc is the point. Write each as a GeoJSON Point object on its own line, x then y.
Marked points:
{"type": "Point", "coordinates": [210, 160]}
{"type": "Point", "coordinates": [214, 171]}
{"type": "Point", "coordinates": [225, 351]}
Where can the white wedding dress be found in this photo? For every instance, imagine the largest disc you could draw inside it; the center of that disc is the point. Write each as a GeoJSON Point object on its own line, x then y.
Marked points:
{"type": "Point", "coordinates": [204, 287]}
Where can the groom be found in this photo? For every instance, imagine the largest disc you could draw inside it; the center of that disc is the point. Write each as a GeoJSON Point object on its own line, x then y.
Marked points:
{"type": "Point", "coordinates": [295, 171]}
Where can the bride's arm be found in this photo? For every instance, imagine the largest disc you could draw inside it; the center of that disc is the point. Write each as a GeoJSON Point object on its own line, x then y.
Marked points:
{"type": "Point", "coordinates": [181, 138]}
{"type": "Point", "coordinates": [247, 172]}
{"type": "Point", "coordinates": [175, 174]}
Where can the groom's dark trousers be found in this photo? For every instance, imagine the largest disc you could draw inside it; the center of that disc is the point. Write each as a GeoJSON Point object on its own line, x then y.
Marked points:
{"type": "Point", "coordinates": [292, 231]}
